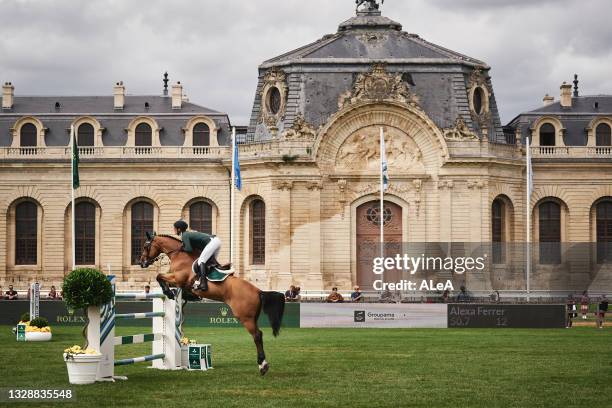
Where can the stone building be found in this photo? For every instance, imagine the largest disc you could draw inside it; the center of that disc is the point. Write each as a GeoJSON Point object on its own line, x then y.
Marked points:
{"type": "Point", "coordinates": [308, 212]}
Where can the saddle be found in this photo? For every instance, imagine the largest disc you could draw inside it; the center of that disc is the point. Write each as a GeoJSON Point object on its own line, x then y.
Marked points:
{"type": "Point", "coordinates": [216, 271]}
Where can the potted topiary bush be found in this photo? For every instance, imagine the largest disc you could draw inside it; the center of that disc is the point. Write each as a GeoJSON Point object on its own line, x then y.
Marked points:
{"type": "Point", "coordinates": [84, 288]}
{"type": "Point", "coordinates": [38, 330]}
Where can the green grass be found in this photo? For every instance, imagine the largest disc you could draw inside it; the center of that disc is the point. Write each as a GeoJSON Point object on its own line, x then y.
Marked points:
{"type": "Point", "coordinates": [346, 367]}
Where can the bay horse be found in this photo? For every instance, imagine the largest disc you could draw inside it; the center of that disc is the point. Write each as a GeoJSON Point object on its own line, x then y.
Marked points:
{"type": "Point", "coordinates": [245, 300]}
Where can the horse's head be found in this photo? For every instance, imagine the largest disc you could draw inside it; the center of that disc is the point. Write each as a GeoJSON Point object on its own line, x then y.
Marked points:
{"type": "Point", "coordinates": [150, 251]}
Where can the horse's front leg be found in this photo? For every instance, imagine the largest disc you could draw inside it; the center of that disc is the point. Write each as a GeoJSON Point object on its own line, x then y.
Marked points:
{"type": "Point", "coordinates": [166, 280]}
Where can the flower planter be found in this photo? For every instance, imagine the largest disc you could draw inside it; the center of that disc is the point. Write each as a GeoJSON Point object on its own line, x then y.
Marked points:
{"type": "Point", "coordinates": [82, 368]}
{"type": "Point", "coordinates": [38, 336]}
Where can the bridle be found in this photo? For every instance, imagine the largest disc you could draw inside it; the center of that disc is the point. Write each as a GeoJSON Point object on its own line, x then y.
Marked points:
{"type": "Point", "coordinates": [150, 261]}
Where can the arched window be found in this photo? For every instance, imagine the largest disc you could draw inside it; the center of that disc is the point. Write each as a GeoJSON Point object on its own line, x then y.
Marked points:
{"type": "Point", "coordinates": [85, 136]}
{"type": "Point", "coordinates": [26, 233]}
{"type": "Point", "coordinates": [28, 136]}
{"type": "Point", "coordinates": [85, 233]}
{"type": "Point", "coordinates": [201, 135]}
{"type": "Point", "coordinates": [144, 135]}
{"type": "Point", "coordinates": [603, 135]}
{"type": "Point", "coordinates": [258, 232]}
{"type": "Point", "coordinates": [142, 222]}
{"type": "Point", "coordinates": [274, 100]}
{"type": "Point", "coordinates": [200, 217]}
{"type": "Point", "coordinates": [497, 230]}
{"type": "Point", "coordinates": [547, 135]}
{"type": "Point", "coordinates": [550, 233]}
{"type": "Point", "coordinates": [604, 232]}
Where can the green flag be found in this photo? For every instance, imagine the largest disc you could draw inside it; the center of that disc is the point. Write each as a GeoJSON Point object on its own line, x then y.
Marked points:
{"type": "Point", "coordinates": [75, 162]}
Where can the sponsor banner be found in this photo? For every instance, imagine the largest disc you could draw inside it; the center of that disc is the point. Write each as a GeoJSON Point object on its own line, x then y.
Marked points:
{"type": "Point", "coordinates": [464, 315]}
{"type": "Point", "coordinates": [196, 314]}
{"type": "Point", "coordinates": [373, 315]}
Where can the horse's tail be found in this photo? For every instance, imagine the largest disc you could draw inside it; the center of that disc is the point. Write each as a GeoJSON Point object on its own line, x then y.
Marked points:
{"type": "Point", "coordinates": [273, 304]}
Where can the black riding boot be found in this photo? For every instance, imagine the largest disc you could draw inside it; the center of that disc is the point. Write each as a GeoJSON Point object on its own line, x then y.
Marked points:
{"type": "Point", "coordinates": [203, 286]}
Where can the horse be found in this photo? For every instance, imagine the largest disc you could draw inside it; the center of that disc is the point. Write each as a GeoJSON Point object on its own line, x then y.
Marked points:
{"type": "Point", "coordinates": [245, 300]}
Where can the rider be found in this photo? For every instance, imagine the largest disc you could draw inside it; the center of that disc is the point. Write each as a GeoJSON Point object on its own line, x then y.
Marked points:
{"type": "Point", "coordinates": [194, 240]}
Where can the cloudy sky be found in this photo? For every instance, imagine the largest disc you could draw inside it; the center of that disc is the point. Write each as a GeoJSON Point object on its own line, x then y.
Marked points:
{"type": "Point", "coordinates": [70, 47]}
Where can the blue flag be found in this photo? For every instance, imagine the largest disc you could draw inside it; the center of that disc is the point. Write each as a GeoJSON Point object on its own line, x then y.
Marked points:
{"type": "Point", "coordinates": [383, 163]}
{"type": "Point", "coordinates": [237, 178]}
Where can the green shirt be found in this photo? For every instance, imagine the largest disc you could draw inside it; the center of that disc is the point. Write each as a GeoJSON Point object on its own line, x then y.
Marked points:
{"type": "Point", "coordinates": [194, 240]}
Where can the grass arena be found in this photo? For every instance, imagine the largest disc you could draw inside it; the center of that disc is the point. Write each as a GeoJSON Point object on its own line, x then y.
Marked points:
{"type": "Point", "coordinates": [348, 367]}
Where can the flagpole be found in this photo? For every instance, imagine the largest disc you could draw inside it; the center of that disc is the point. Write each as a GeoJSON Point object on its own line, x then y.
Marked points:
{"type": "Point", "coordinates": [528, 223]}
{"type": "Point", "coordinates": [382, 195]}
{"type": "Point", "coordinates": [72, 191]}
{"type": "Point", "coordinates": [233, 195]}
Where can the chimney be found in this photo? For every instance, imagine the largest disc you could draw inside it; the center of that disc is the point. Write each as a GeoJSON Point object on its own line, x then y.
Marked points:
{"type": "Point", "coordinates": [177, 96]}
{"type": "Point", "coordinates": [119, 94]}
{"type": "Point", "coordinates": [566, 95]}
{"type": "Point", "coordinates": [8, 95]}
{"type": "Point", "coordinates": [548, 100]}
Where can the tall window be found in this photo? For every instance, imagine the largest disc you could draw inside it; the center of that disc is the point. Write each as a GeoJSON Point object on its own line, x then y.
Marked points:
{"type": "Point", "coordinates": [85, 135]}
{"type": "Point", "coordinates": [258, 232]}
{"type": "Point", "coordinates": [497, 229]}
{"type": "Point", "coordinates": [200, 217]}
{"type": "Point", "coordinates": [28, 135]}
{"type": "Point", "coordinates": [142, 222]}
{"type": "Point", "coordinates": [26, 233]}
{"type": "Point", "coordinates": [144, 135]}
{"type": "Point", "coordinates": [604, 232]}
{"type": "Point", "coordinates": [85, 233]}
{"type": "Point", "coordinates": [201, 135]}
{"type": "Point", "coordinates": [547, 135]}
{"type": "Point", "coordinates": [603, 135]}
{"type": "Point", "coordinates": [550, 233]}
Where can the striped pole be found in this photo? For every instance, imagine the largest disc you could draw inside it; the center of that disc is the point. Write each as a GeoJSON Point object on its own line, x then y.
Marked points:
{"type": "Point", "coordinates": [137, 338]}
{"type": "Point", "coordinates": [140, 296]}
{"type": "Point", "coordinates": [146, 315]}
{"type": "Point", "coordinates": [142, 359]}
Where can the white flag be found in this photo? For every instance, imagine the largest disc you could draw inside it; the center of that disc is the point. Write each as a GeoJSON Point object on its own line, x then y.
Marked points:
{"type": "Point", "coordinates": [384, 170]}
{"type": "Point", "coordinates": [529, 171]}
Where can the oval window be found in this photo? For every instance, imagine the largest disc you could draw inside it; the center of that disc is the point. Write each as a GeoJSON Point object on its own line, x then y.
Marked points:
{"type": "Point", "coordinates": [274, 100]}
{"type": "Point", "coordinates": [478, 100]}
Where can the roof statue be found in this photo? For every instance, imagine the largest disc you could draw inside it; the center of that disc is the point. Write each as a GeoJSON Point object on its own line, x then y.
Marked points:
{"type": "Point", "coordinates": [371, 5]}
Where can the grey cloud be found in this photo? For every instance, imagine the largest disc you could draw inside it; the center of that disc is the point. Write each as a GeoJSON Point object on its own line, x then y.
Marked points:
{"type": "Point", "coordinates": [214, 48]}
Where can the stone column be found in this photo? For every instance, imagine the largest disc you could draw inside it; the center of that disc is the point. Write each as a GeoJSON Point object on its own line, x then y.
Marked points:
{"type": "Point", "coordinates": [446, 210]}
{"type": "Point", "coordinates": [315, 276]}
{"type": "Point", "coordinates": [284, 277]}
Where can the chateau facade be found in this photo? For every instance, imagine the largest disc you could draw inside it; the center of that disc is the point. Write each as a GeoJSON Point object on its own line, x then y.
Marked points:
{"type": "Point", "coordinates": [309, 159]}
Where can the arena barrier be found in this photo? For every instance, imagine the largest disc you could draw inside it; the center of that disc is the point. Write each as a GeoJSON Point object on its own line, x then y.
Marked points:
{"type": "Point", "coordinates": [165, 338]}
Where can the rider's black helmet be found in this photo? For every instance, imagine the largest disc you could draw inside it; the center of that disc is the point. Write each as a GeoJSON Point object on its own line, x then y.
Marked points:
{"type": "Point", "coordinates": [181, 225]}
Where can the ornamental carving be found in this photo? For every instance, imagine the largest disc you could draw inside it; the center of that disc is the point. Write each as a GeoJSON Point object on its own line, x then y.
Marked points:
{"type": "Point", "coordinates": [378, 86]}
{"type": "Point", "coordinates": [479, 98]}
{"type": "Point", "coordinates": [273, 98]}
{"type": "Point", "coordinates": [460, 131]}
{"type": "Point", "coordinates": [361, 151]}
{"type": "Point", "coordinates": [301, 130]}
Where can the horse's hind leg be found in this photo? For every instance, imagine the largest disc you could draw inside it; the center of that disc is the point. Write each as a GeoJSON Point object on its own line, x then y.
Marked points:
{"type": "Point", "coordinates": [251, 326]}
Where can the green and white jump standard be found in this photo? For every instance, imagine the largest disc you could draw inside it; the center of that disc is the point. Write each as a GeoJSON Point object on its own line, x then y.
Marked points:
{"type": "Point", "coordinates": [165, 339]}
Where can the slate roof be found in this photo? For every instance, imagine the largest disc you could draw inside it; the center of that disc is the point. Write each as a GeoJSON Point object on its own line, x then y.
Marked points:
{"type": "Point", "coordinates": [58, 121]}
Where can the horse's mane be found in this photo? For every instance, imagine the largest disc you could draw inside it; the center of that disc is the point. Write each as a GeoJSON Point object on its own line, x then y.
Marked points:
{"type": "Point", "coordinates": [169, 236]}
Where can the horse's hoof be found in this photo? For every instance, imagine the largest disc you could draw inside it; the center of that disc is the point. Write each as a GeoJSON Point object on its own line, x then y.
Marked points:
{"type": "Point", "coordinates": [263, 368]}
{"type": "Point", "coordinates": [170, 295]}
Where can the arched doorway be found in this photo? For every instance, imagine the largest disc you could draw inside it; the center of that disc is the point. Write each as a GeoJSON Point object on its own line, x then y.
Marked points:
{"type": "Point", "coordinates": [368, 238]}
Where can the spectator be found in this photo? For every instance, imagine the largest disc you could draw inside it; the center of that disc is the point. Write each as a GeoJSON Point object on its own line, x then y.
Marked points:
{"type": "Point", "coordinates": [571, 311]}
{"type": "Point", "coordinates": [53, 293]}
{"type": "Point", "coordinates": [387, 297]}
{"type": "Point", "coordinates": [298, 297]}
{"type": "Point", "coordinates": [463, 295]}
{"type": "Point", "coordinates": [601, 311]}
{"type": "Point", "coordinates": [11, 294]}
{"type": "Point", "coordinates": [584, 304]}
{"type": "Point", "coordinates": [357, 296]}
{"type": "Point", "coordinates": [445, 296]}
{"type": "Point", "coordinates": [291, 294]}
{"type": "Point", "coordinates": [147, 289]}
{"type": "Point", "coordinates": [335, 297]}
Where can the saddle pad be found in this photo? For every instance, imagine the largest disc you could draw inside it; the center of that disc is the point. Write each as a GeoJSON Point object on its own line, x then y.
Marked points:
{"type": "Point", "coordinates": [215, 274]}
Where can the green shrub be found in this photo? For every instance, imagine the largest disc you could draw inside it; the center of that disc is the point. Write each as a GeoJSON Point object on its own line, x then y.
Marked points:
{"type": "Point", "coordinates": [25, 317]}
{"type": "Point", "coordinates": [86, 287]}
{"type": "Point", "coordinates": [39, 322]}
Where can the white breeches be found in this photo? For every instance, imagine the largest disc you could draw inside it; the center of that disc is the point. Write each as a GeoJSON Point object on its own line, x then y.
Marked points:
{"type": "Point", "coordinates": [209, 250]}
